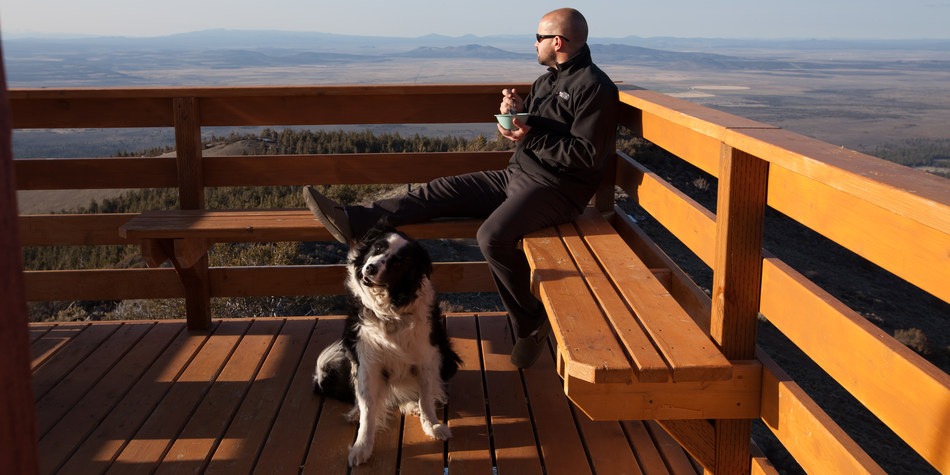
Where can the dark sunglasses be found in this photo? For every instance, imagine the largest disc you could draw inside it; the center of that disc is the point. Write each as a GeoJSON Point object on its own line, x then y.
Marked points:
{"type": "Point", "coordinates": [541, 37]}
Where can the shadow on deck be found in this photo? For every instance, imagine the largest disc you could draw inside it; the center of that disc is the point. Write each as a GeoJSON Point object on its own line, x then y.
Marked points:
{"type": "Point", "coordinates": [151, 396]}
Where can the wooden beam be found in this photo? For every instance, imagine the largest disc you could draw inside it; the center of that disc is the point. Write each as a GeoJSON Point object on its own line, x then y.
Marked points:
{"type": "Point", "coordinates": [95, 173]}
{"type": "Point", "coordinates": [737, 398]}
{"type": "Point", "coordinates": [698, 437]}
{"type": "Point", "coordinates": [788, 412]}
{"type": "Point", "coordinates": [914, 250]}
{"type": "Point", "coordinates": [73, 229]}
{"type": "Point", "coordinates": [737, 278]}
{"type": "Point", "coordinates": [188, 149]}
{"type": "Point", "coordinates": [689, 221]}
{"type": "Point", "coordinates": [18, 432]}
{"type": "Point", "coordinates": [897, 385]}
{"type": "Point", "coordinates": [346, 168]}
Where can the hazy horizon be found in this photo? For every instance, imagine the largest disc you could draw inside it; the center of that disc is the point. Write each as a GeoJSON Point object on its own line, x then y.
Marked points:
{"type": "Point", "coordinates": [805, 19]}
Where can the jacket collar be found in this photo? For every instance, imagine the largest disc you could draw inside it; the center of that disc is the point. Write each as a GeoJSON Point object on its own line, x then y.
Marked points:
{"type": "Point", "coordinates": [579, 60]}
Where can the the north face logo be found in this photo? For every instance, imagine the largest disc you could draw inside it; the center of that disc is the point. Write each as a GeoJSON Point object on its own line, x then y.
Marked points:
{"type": "Point", "coordinates": [564, 95]}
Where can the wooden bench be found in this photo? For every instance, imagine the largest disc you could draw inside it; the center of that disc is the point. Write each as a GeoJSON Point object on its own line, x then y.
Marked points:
{"type": "Point", "coordinates": [185, 236]}
{"type": "Point", "coordinates": [626, 349]}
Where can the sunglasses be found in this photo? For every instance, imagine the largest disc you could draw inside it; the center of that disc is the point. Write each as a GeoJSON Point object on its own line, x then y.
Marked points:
{"type": "Point", "coordinates": [541, 37]}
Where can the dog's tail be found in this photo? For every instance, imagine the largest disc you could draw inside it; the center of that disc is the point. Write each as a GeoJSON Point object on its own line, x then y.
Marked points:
{"type": "Point", "coordinates": [333, 376]}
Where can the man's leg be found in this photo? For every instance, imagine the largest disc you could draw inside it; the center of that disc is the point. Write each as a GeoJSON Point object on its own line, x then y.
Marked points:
{"type": "Point", "coordinates": [473, 195]}
{"type": "Point", "coordinates": [529, 207]}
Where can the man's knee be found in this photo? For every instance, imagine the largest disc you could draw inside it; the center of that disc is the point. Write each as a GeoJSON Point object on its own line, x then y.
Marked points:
{"type": "Point", "coordinates": [491, 242]}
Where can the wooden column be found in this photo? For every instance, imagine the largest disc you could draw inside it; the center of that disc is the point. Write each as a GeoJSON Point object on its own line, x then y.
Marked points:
{"type": "Point", "coordinates": [188, 146]}
{"type": "Point", "coordinates": [191, 196]}
{"type": "Point", "coordinates": [737, 281]}
{"type": "Point", "coordinates": [17, 420]}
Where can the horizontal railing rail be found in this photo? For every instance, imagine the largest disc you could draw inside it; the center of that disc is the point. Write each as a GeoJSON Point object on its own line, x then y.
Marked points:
{"type": "Point", "coordinates": [895, 217]}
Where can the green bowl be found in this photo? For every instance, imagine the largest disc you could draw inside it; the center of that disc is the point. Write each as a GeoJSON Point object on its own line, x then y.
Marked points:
{"type": "Point", "coordinates": [506, 119]}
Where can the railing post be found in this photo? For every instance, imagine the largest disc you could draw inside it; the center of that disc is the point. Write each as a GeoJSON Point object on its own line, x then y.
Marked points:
{"type": "Point", "coordinates": [737, 281]}
{"type": "Point", "coordinates": [188, 148]}
{"type": "Point", "coordinates": [604, 197]}
{"type": "Point", "coordinates": [191, 196]}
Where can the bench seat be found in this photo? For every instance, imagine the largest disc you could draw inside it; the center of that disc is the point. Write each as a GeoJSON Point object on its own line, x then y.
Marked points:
{"type": "Point", "coordinates": [185, 236]}
{"type": "Point", "coordinates": [620, 332]}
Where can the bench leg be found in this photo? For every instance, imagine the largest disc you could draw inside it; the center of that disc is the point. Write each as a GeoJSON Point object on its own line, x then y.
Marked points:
{"type": "Point", "coordinates": [197, 294]}
{"type": "Point", "coordinates": [193, 273]}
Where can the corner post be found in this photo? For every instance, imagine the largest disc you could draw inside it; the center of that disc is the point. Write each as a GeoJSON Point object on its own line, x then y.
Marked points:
{"type": "Point", "coordinates": [737, 282]}
{"type": "Point", "coordinates": [18, 432]}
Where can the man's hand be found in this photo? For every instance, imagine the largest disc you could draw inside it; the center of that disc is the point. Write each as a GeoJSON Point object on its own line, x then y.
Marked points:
{"type": "Point", "coordinates": [511, 102]}
{"type": "Point", "coordinates": [517, 132]}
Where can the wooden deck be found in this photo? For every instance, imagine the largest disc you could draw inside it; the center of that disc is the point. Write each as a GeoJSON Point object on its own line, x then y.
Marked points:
{"type": "Point", "coordinates": [150, 397]}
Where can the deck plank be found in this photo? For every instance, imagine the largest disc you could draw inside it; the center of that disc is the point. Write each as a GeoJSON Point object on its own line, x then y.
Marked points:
{"type": "Point", "coordinates": [57, 336]}
{"type": "Point", "coordinates": [200, 437]}
{"type": "Point", "coordinates": [385, 456]}
{"type": "Point", "coordinates": [61, 440]}
{"type": "Point", "coordinates": [607, 446]}
{"type": "Point", "coordinates": [331, 440]}
{"type": "Point", "coordinates": [119, 427]}
{"type": "Point", "coordinates": [37, 331]}
{"type": "Point", "coordinates": [286, 446]}
{"type": "Point", "coordinates": [560, 442]}
{"type": "Point", "coordinates": [516, 450]}
{"type": "Point", "coordinates": [332, 434]}
{"type": "Point", "coordinates": [74, 385]}
{"type": "Point", "coordinates": [470, 445]}
{"type": "Point", "coordinates": [647, 453]}
{"type": "Point", "coordinates": [674, 455]}
{"type": "Point", "coordinates": [144, 452]}
{"type": "Point", "coordinates": [237, 451]}
{"type": "Point", "coordinates": [73, 352]}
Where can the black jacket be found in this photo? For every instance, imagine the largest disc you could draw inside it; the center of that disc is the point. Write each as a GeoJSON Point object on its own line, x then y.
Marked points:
{"type": "Point", "coordinates": [573, 123]}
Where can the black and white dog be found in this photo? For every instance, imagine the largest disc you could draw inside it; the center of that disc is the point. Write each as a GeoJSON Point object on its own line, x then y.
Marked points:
{"type": "Point", "coordinates": [394, 351]}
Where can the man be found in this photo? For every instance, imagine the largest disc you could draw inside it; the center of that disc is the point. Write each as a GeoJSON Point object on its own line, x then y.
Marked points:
{"type": "Point", "coordinates": [552, 175]}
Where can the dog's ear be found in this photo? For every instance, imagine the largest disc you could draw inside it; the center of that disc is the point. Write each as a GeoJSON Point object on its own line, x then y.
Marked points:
{"type": "Point", "coordinates": [385, 223]}
{"type": "Point", "coordinates": [381, 228]}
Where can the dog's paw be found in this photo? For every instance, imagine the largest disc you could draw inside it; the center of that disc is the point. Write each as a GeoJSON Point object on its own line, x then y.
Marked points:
{"type": "Point", "coordinates": [410, 408]}
{"type": "Point", "coordinates": [359, 453]}
{"type": "Point", "coordinates": [438, 431]}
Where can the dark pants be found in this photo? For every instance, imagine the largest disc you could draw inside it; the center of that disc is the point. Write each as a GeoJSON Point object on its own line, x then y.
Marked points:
{"type": "Point", "coordinates": [512, 204]}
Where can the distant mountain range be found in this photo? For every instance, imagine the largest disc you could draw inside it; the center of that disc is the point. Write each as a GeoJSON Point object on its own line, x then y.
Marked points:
{"type": "Point", "coordinates": [257, 39]}
{"type": "Point", "coordinates": [111, 61]}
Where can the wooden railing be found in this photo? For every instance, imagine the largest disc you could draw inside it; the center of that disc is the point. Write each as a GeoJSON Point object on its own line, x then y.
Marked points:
{"type": "Point", "coordinates": [892, 216]}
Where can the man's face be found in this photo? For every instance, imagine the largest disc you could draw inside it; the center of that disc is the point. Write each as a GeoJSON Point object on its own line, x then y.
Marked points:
{"type": "Point", "coordinates": [545, 47]}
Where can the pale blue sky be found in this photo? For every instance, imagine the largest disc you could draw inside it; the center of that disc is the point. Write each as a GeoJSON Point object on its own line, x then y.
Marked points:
{"type": "Point", "coordinates": [903, 19]}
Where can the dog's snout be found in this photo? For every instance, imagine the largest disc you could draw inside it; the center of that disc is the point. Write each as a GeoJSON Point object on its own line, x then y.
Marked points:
{"type": "Point", "coordinates": [371, 269]}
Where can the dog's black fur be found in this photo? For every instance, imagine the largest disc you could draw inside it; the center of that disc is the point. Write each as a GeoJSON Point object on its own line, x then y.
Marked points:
{"type": "Point", "coordinates": [394, 344]}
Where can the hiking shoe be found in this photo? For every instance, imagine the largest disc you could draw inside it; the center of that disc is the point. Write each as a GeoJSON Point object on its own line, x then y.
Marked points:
{"type": "Point", "coordinates": [330, 213]}
{"type": "Point", "coordinates": [527, 350]}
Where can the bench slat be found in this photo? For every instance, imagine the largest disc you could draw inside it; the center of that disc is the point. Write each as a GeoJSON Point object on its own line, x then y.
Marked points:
{"type": "Point", "coordinates": [691, 353]}
{"type": "Point", "coordinates": [591, 351]}
{"type": "Point", "coordinates": [222, 225]}
{"type": "Point", "coordinates": [264, 226]}
{"type": "Point", "coordinates": [649, 366]}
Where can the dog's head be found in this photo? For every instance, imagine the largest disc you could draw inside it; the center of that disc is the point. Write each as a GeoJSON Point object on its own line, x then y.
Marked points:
{"type": "Point", "coordinates": [386, 259]}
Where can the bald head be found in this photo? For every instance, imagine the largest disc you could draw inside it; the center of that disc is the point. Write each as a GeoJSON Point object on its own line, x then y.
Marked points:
{"type": "Point", "coordinates": [569, 23]}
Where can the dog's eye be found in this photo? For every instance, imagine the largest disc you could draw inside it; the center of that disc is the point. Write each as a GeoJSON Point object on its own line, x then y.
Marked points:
{"type": "Point", "coordinates": [379, 247]}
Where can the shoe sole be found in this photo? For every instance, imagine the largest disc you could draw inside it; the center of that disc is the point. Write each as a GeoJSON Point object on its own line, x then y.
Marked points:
{"type": "Point", "coordinates": [313, 204]}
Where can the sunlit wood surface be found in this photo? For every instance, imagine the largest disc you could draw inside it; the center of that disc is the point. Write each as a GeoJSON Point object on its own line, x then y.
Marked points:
{"type": "Point", "coordinates": [148, 396]}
